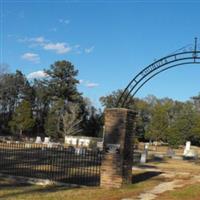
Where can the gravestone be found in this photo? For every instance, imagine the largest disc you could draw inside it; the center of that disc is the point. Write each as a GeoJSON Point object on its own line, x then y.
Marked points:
{"type": "Point", "coordinates": [49, 145]}
{"type": "Point", "coordinates": [100, 145]}
{"type": "Point", "coordinates": [170, 153]}
{"type": "Point", "coordinates": [144, 154]}
{"type": "Point", "coordinates": [38, 140]}
{"type": "Point", "coordinates": [83, 142]}
{"type": "Point", "coordinates": [27, 145]}
{"type": "Point", "coordinates": [116, 168]}
{"type": "Point", "coordinates": [146, 146]}
{"type": "Point", "coordinates": [188, 152]}
{"type": "Point", "coordinates": [143, 158]}
{"type": "Point", "coordinates": [187, 148]}
{"type": "Point", "coordinates": [70, 140]}
{"type": "Point", "coordinates": [46, 140]}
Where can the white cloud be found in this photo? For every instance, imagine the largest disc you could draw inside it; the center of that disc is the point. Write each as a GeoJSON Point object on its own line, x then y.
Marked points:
{"type": "Point", "coordinates": [38, 39]}
{"type": "Point", "coordinates": [89, 50]}
{"type": "Point", "coordinates": [32, 57]}
{"type": "Point", "coordinates": [88, 84]}
{"type": "Point", "coordinates": [37, 74]}
{"type": "Point", "coordinates": [91, 85]}
{"type": "Point", "coordinates": [59, 47]}
{"type": "Point", "coordinates": [64, 21]}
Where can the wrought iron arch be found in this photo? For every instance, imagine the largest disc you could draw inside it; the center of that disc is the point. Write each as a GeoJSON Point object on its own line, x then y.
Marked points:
{"type": "Point", "coordinates": [189, 54]}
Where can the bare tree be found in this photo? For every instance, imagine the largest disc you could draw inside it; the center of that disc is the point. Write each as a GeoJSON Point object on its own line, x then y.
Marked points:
{"type": "Point", "coordinates": [71, 121]}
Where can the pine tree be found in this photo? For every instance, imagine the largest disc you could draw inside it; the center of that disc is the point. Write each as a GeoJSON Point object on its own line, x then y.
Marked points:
{"type": "Point", "coordinates": [22, 118]}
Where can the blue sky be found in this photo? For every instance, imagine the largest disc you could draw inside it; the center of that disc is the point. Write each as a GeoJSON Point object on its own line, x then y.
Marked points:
{"type": "Point", "coordinates": [109, 42]}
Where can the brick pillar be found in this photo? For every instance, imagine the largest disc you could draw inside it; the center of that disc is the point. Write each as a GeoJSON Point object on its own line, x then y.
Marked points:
{"type": "Point", "coordinates": [116, 168]}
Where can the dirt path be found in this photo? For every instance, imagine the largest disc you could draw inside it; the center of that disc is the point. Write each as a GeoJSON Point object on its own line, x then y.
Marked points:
{"type": "Point", "coordinates": [175, 180]}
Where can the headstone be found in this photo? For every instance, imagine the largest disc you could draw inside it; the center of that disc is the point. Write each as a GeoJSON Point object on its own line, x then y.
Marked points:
{"type": "Point", "coordinates": [191, 154]}
{"type": "Point", "coordinates": [49, 145]}
{"type": "Point", "coordinates": [70, 140]}
{"type": "Point", "coordinates": [146, 146]}
{"type": "Point", "coordinates": [188, 152]}
{"type": "Point", "coordinates": [143, 158]}
{"type": "Point", "coordinates": [188, 145]}
{"type": "Point", "coordinates": [38, 140]}
{"type": "Point", "coordinates": [187, 148]}
{"type": "Point", "coordinates": [27, 145]}
{"type": "Point", "coordinates": [170, 153]}
{"type": "Point", "coordinates": [46, 140]}
{"type": "Point", "coordinates": [84, 142]}
{"type": "Point", "coordinates": [100, 145]}
{"type": "Point", "coordinates": [74, 141]}
{"type": "Point", "coordinates": [77, 151]}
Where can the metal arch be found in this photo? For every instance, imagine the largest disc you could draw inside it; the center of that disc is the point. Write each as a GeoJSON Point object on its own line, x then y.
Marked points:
{"type": "Point", "coordinates": [185, 63]}
{"type": "Point", "coordinates": [132, 87]}
{"type": "Point", "coordinates": [146, 74]}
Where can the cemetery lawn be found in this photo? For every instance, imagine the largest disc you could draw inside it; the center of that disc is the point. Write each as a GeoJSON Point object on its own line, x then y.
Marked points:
{"type": "Point", "coordinates": [10, 190]}
{"type": "Point", "coordinates": [191, 192]}
{"type": "Point", "coordinates": [145, 178]}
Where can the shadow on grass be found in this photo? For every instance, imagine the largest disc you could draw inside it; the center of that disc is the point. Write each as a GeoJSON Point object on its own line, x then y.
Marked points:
{"type": "Point", "coordinates": [146, 166]}
{"type": "Point", "coordinates": [156, 158]}
{"type": "Point", "coordinates": [29, 189]}
{"type": "Point", "coordinates": [144, 176]}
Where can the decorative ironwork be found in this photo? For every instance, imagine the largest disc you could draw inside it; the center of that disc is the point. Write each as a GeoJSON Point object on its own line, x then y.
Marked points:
{"type": "Point", "coordinates": [189, 54]}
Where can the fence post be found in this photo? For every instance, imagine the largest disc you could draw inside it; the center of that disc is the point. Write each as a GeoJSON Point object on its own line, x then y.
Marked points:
{"type": "Point", "coordinates": [116, 168]}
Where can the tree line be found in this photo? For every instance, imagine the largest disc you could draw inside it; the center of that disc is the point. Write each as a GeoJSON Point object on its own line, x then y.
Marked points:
{"type": "Point", "coordinates": [52, 106]}
{"type": "Point", "coordinates": [165, 120]}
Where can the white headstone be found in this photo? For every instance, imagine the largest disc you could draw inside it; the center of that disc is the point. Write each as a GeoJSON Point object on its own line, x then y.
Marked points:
{"type": "Point", "coordinates": [100, 145]}
{"type": "Point", "coordinates": [187, 148]}
{"type": "Point", "coordinates": [143, 158]}
{"type": "Point", "coordinates": [49, 145]}
{"type": "Point", "coordinates": [188, 145]}
{"type": "Point", "coordinates": [38, 140]}
{"type": "Point", "coordinates": [84, 142]}
{"type": "Point", "coordinates": [74, 141]}
{"type": "Point", "coordinates": [146, 146]}
{"type": "Point", "coordinates": [46, 140]}
{"type": "Point", "coordinates": [27, 145]}
{"type": "Point", "coordinates": [70, 140]}
{"type": "Point", "coordinates": [77, 151]}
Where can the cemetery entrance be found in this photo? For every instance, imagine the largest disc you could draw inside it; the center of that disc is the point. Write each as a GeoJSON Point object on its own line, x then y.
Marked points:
{"type": "Point", "coordinates": [119, 122]}
{"type": "Point", "coordinates": [62, 164]}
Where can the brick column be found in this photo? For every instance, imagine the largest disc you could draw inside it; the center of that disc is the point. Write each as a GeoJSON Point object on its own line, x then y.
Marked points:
{"type": "Point", "coordinates": [116, 168]}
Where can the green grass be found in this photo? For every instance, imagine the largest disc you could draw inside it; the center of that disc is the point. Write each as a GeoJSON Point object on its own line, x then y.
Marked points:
{"type": "Point", "coordinates": [191, 192]}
